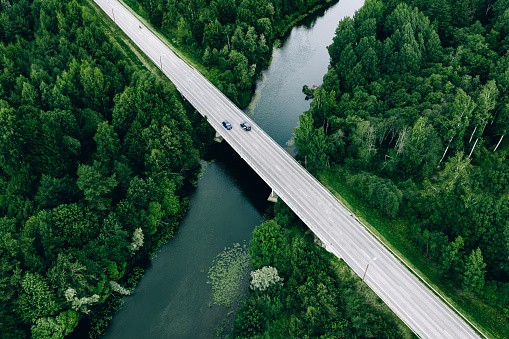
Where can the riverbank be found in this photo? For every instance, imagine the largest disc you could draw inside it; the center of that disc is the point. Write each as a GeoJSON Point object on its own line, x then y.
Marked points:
{"type": "Point", "coordinates": [246, 181]}
{"type": "Point", "coordinates": [173, 299]}
{"type": "Point", "coordinates": [194, 53]}
{"type": "Point", "coordinates": [290, 22]}
{"type": "Point", "coordinates": [298, 289]}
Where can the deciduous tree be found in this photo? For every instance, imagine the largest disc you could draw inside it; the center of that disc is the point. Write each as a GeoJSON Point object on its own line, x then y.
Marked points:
{"type": "Point", "coordinates": [36, 299]}
{"type": "Point", "coordinates": [267, 246]}
{"type": "Point", "coordinates": [451, 262]}
{"type": "Point", "coordinates": [95, 185]}
{"type": "Point", "coordinates": [473, 276]}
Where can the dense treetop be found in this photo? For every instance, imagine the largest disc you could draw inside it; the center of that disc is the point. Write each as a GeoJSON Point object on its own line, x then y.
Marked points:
{"type": "Point", "coordinates": [234, 37]}
{"type": "Point", "coordinates": [94, 154]}
{"type": "Point", "coordinates": [299, 291]}
{"type": "Point", "coordinates": [416, 106]}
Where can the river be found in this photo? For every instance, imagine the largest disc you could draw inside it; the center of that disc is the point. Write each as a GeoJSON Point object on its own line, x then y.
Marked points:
{"type": "Point", "coordinates": [173, 299]}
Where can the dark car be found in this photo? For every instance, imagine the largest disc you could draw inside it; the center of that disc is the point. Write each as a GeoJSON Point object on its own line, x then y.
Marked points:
{"type": "Point", "coordinates": [245, 126]}
{"type": "Point", "coordinates": [227, 125]}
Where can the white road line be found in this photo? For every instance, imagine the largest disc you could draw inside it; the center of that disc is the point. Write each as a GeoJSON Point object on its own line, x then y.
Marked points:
{"type": "Point", "coordinates": [296, 187]}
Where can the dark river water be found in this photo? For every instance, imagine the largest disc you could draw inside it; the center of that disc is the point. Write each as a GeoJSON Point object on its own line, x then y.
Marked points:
{"type": "Point", "coordinates": [173, 299]}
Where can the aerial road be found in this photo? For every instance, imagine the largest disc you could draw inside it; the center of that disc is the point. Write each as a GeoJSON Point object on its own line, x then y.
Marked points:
{"type": "Point", "coordinates": [425, 313]}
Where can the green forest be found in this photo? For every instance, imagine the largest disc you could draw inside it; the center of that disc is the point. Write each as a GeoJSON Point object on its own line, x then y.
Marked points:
{"type": "Point", "coordinates": [95, 157]}
{"type": "Point", "coordinates": [97, 153]}
{"type": "Point", "coordinates": [299, 290]}
{"type": "Point", "coordinates": [412, 113]}
{"type": "Point", "coordinates": [232, 38]}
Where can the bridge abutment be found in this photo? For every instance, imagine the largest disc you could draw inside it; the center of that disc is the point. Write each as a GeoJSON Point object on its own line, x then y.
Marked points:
{"type": "Point", "coordinates": [218, 137]}
{"type": "Point", "coordinates": [272, 197]}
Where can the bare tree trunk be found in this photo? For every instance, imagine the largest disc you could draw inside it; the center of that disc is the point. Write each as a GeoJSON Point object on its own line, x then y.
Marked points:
{"type": "Point", "coordinates": [472, 134]}
{"type": "Point", "coordinates": [473, 147]}
{"type": "Point", "coordinates": [488, 8]}
{"type": "Point", "coordinates": [444, 154]}
{"type": "Point", "coordinates": [502, 137]}
{"type": "Point", "coordinates": [371, 140]}
{"type": "Point", "coordinates": [493, 118]}
{"type": "Point", "coordinates": [446, 150]}
{"type": "Point", "coordinates": [392, 136]}
{"type": "Point", "coordinates": [401, 142]}
{"type": "Point", "coordinates": [458, 173]}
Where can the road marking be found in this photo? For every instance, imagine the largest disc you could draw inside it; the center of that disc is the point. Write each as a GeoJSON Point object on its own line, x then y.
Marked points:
{"type": "Point", "coordinates": [312, 185]}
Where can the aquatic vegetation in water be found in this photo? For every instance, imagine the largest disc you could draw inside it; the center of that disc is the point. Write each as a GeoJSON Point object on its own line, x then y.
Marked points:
{"type": "Point", "coordinates": [228, 274]}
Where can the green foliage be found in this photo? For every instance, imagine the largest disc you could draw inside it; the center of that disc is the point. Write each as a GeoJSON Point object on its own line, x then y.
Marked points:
{"type": "Point", "coordinates": [227, 274]}
{"type": "Point", "coordinates": [417, 99]}
{"type": "Point", "coordinates": [267, 246]}
{"type": "Point", "coordinates": [417, 96]}
{"type": "Point", "coordinates": [68, 271]}
{"type": "Point", "coordinates": [99, 323]}
{"type": "Point", "coordinates": [55, 328]}
{"type": "Point", "coordinates": [36, 299]}
{"type": "Point", "coordinates": [398, 130]}
{"type": "Point", "coordinates": [473, 277]}
{"type": "Point", "coordinates": [284, 216]}
{"type": "Point", "coordinates": [53, 191]}
{"type": "Point", "coordinates": [95, 185]}
{"type": "Point", "coordinates": [75, 223]}
{"type": "Point", "coordinates": [235, 38]}
{"type": "Point", "coordinates": [451, 261]}
{"type": "Point", "coordinates": [303, 133]}
{"type": "Point", "coordinates": [108, 144]}
{"type": "Point", "coordinates": [78, 122]}
{"type": "Point", "coordinates": [319, 298]}
{"type": "Point", "coordinates": [380, 193]}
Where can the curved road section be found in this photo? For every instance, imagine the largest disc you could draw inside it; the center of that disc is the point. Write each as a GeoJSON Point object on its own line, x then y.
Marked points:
{"type": "Point", "coordinates": [426, 314]}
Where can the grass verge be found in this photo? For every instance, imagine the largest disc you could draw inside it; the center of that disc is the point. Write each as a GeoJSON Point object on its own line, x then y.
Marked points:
{"type": "Point", "coordinates": [186, 53]}
{"type": "Point", "coordinates": [344, 272]}
{"type": "Point", "coordinates": [394, 234]}
{"type": "Point", "coordinates": [189, 53]}
{"type": "Point", "coordinates": [128, 48]}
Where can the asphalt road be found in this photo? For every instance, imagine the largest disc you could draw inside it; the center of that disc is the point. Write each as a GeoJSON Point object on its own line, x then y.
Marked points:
{"type": "Point", "coordinates": [411, 300]}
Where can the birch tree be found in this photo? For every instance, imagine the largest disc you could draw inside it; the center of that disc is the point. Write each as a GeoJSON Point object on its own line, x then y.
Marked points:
{"type": "Point", "coordinates": [502, 124]}
{"type": "Point", "coordinates": [460, 111]}
{"type": "Point", "coordinates": [364, 138]}
{"type": "Point", "coordinates": [485, 104]}
{"type": "Point", "coordinates": [420, 148]}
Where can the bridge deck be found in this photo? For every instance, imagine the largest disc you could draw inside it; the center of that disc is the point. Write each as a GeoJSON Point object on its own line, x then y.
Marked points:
{"type": "Point", "coordinates": [427, 315]}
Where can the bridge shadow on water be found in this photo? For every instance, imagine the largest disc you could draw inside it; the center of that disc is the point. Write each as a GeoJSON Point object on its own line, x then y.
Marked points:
{"type": "Point", "coordinates": [224, 209]}
{"type": "Point", "coordinates": [243, 176]}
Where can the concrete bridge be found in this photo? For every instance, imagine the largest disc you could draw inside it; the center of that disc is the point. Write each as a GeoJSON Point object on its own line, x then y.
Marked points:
{"type": "Point", "coordinates": [341, 232]}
